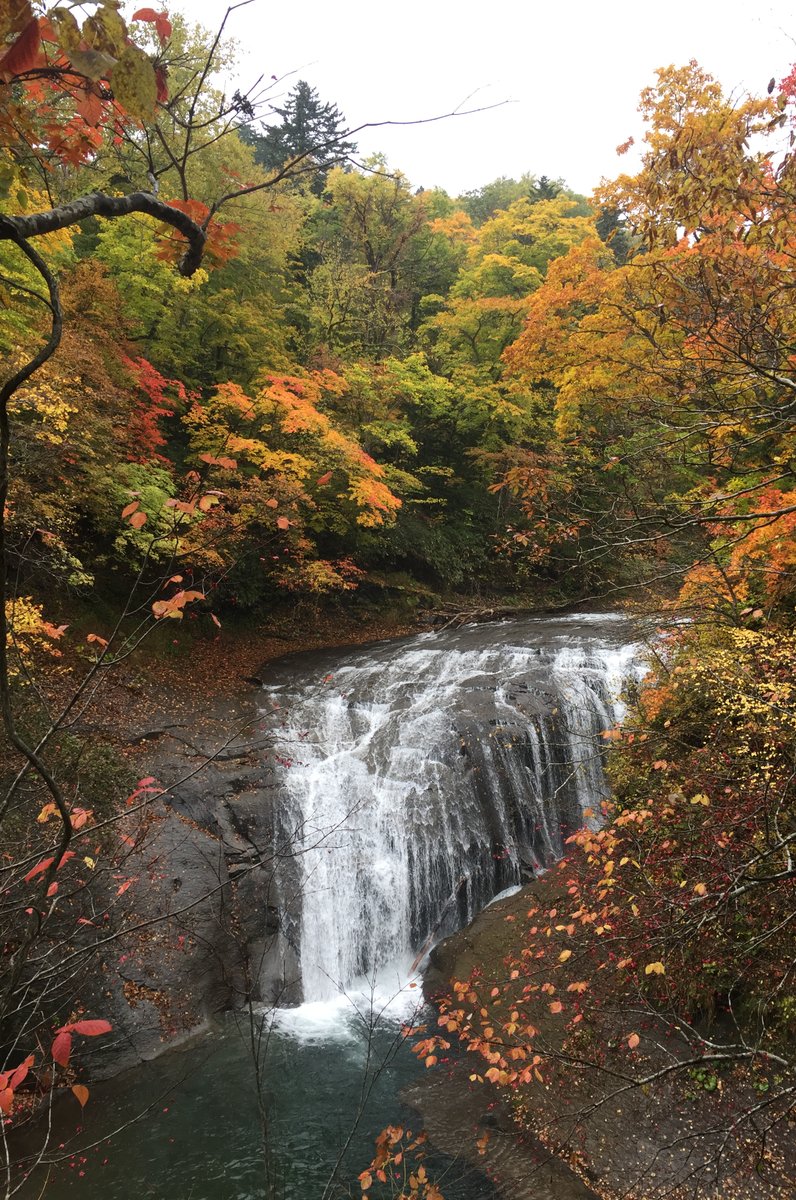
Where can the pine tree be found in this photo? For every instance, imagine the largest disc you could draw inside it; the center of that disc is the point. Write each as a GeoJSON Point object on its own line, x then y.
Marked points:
{"type": "Point", "coordinates": [309, 128]}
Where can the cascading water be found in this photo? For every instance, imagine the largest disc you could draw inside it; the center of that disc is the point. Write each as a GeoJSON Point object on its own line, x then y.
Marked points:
{"type": "Point", "coordinates": [423, 776]}
{"type": "Point", "coordinates": [413, 781]}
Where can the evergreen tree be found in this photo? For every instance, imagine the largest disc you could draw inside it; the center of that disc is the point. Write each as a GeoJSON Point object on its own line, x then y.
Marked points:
{"type": "Point", "coordinates": [307, 127]}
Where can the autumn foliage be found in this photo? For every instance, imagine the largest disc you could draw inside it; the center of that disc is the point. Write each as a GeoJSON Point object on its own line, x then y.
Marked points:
{"type": "Point", "coordinates": [269, 388]}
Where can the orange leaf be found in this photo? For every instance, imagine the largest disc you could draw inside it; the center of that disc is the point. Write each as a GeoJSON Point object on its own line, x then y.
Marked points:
{"type": "Point", "coordinates": [138, 519]}
{"type": "Point", "coordinates": [633, 1040]}
{"type": "Point", "coordinates": [81, 1093]}
{"type": "Point", "coordinates": [228, 464]}
{"type": "Point", "coordinates": [282, 523]}
{"type": "Point", "coordinates": [90, 107]}
{"type": "Point", "coordinates": [53, 631]}
{"type": "Point", "coordinates": [556, 1006]}
{"type": "Point", "coordinates": [129, 509]}
{"type": "Point", "coordinates": [6, 1100]}
{"type": "Point", "coordinates": [322, 479]}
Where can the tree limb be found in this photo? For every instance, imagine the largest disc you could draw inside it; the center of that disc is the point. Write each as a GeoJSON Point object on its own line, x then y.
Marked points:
{"type": "Point", "coordinates": [97, 204]}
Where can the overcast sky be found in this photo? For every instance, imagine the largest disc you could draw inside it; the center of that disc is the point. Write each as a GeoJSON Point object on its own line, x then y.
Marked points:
{"type": "Point", "coordinates": [572, 72]}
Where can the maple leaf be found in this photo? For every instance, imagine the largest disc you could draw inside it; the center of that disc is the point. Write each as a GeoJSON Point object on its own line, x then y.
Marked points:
{"type": "Point", "coordinates": [24, 54]}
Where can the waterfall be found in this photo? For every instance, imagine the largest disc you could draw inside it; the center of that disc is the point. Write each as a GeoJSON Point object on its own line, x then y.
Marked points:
{"type": "Point", "coordinates": [419, 778]}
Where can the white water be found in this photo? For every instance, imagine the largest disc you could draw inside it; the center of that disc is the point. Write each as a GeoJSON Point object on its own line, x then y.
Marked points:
{"type": "Point", "coordinates": [420, 778]}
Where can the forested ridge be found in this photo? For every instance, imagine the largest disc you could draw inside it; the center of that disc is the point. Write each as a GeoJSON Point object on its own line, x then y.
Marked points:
{"type": "Point", "coordinates": [247, 372]}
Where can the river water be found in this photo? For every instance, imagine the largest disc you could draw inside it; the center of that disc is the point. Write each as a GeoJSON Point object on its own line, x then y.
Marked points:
{"type": "Point", "coordinates": [416, 779]}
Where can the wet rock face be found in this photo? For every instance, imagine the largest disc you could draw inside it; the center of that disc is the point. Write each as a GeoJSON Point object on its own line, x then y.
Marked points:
{"type": "Point", "coordinates": [357, 808]}
{"type": "Point", "coordinates": [206, 907]}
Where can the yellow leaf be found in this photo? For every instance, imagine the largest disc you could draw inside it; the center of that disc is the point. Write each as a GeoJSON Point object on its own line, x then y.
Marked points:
{"type": "Point", "coordinates": [134, 84]}
{"type": "Point", "coordinates": [655, 968]}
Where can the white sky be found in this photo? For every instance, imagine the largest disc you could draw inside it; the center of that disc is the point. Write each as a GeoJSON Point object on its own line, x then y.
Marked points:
{"type": "Point", "coordinates": [573, 71]}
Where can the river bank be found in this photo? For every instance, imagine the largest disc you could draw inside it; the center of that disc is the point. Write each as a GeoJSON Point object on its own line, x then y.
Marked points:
{"type": "Point", "coordinates": [590, 1126]}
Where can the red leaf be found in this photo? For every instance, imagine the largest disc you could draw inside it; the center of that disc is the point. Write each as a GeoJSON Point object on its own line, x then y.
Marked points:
{"type": "Point", "coordinates": [159, 19]}
{"type": "Point", "coordinates": [6, 1100]}
{"type": "Point", "coordinates": [24, 54]}
{"type": "Point", "coordinates": [62, 1047]}
{"type": "Point", "coordinates": [163, 26]}
{"type": "Point", "coordinates": [162, 85]}
{"type": "Point", "coordinates": [52, 889]}
{"type": "Point", "coordinates": [90, 1028]}
{"type": "Point", "coordinates": [39, 868]}
{"type": "Point", "coordinates": [21, 1071]}
{"type": "Point", "coordinates": [324, 478]}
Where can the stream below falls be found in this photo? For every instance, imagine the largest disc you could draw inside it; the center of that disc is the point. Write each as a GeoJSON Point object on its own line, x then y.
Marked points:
{"type": "Point", "coordinates": [412, 782]}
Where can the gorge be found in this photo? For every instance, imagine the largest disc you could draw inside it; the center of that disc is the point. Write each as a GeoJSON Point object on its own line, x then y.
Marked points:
{"type": "Point", "coordinates": [404, 784]}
